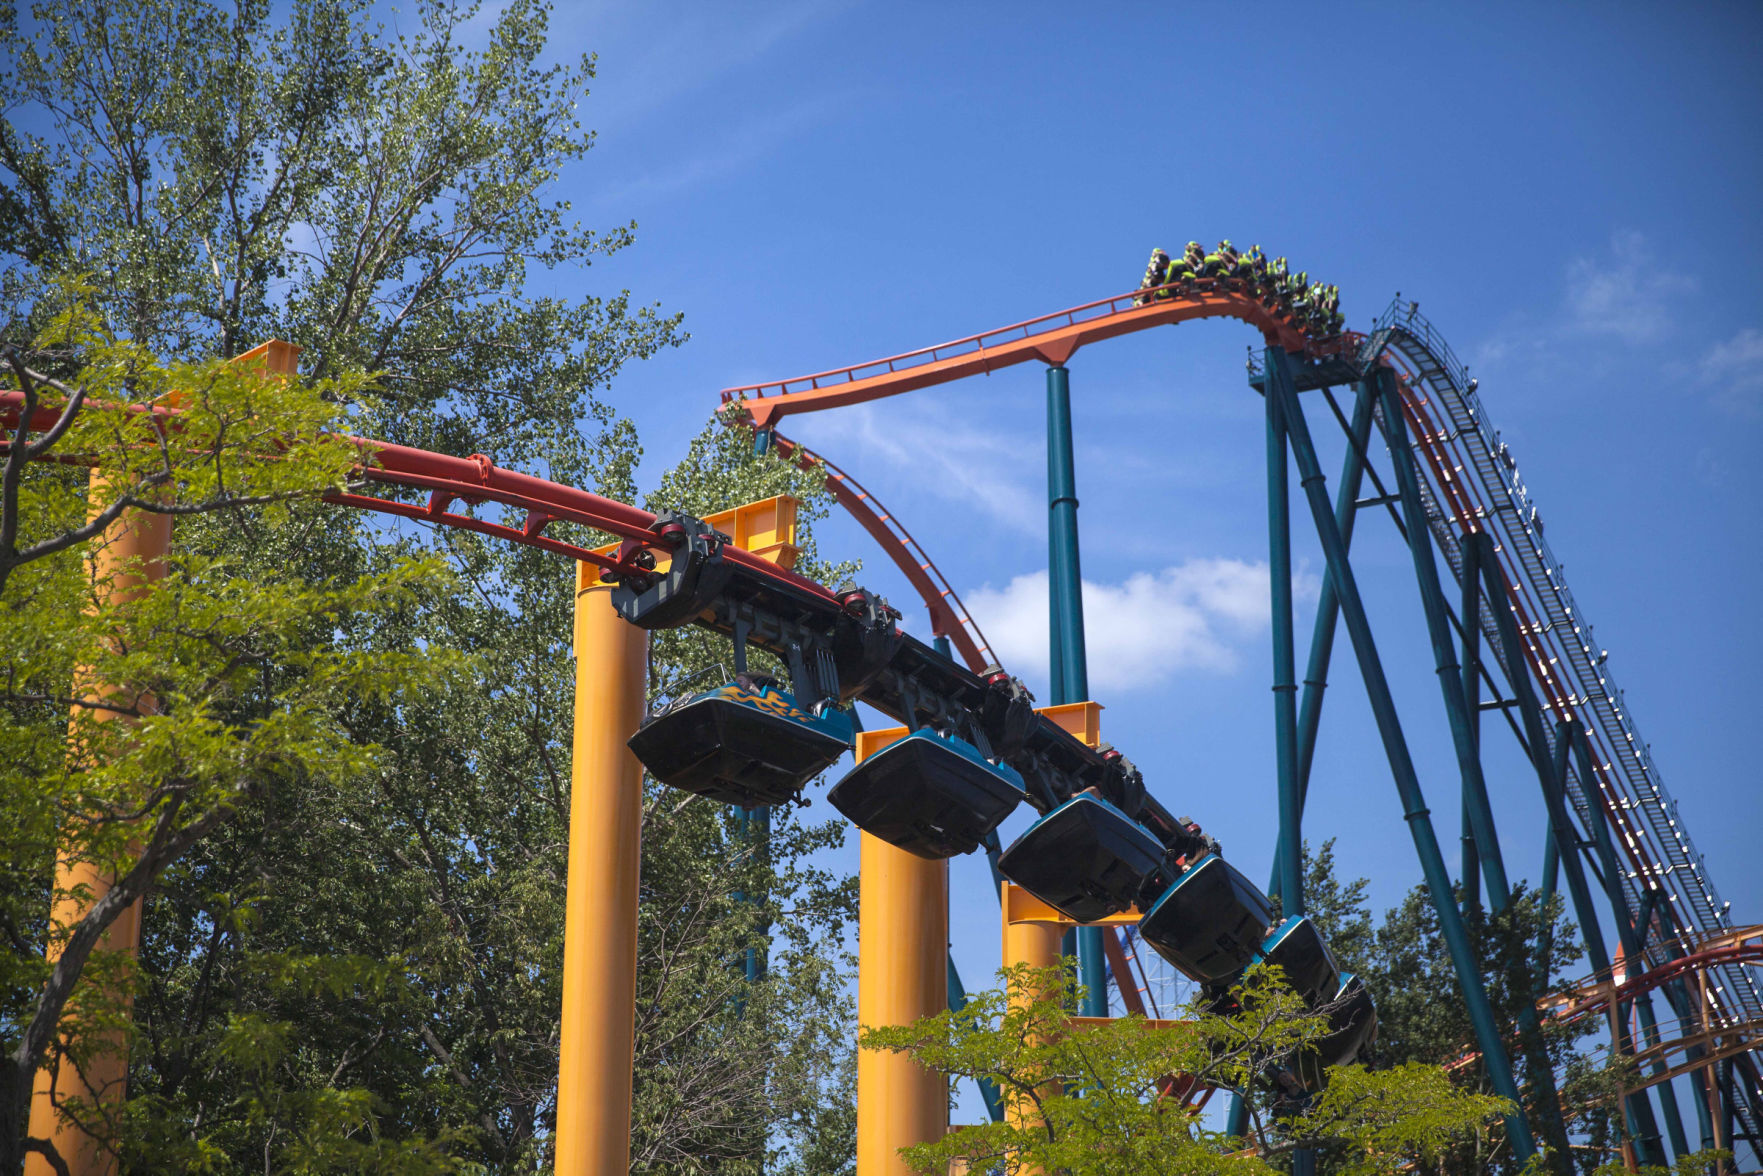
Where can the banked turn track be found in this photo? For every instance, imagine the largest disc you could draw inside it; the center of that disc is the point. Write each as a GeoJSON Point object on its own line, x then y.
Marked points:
{"type": "Point", "coordinates": [1469, 482]}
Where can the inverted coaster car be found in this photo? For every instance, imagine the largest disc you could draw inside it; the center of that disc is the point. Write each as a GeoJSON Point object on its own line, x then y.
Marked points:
{"type": "Point", "coordinates": [1352, 1026]}
{"type": "Point", "coordinates": [930, 794]}
{"type": "Point", "coordinates": [1086, 859]}
{"type": "Point", "coordinates": [747, 742]}
{"type": "Point", "coordinates": [1210, 923]}
{"type": "Point", "coordinates": [1298, 949]}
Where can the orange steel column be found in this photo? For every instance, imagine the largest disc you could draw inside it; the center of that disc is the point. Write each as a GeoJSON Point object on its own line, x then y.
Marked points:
{"type": "Point", "coordinates": [600, 914]}
{"type": "Point", "coordinates": [1035, 943]}
{"type": "Point", "coordinates": [135, 536]}
{"type": "Point", "coordinates": [902, 975]}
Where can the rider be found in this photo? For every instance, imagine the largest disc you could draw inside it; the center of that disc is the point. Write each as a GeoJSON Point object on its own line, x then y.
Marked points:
{"type": "Point", "coordinates": [1214, 263]}
{"type": "Point", "coordinates": [1155, 275]}
{"type": "Point", "coordinates": [1179, 271]}
{"type": "Point", "coordinates": [1245, 267]}
{"type": "Point", "coordinates": [1194, 257]}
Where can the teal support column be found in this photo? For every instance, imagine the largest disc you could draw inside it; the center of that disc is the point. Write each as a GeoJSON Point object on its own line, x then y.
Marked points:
{"type": "Point", "coordinates": [1551, 875]}
{"type": "Point", "coordinates": [755, 827]}
{"type": "Point", "coordinates": [1552, 774]}
{"type": "Point", "coordinates": [1290, 855]}
{"type": "Point", "coordinates": [1678, 1002]}
{"type": "Point", "coordinates": [1328, 604]}
{"type": "Point", "coordinates": [1322, 636]}
{"type": "Point", "coordinates": [1704, 1118]}
{"type": "Point", "coordinates": [1470, 615]}
{"type": "Point", "coordinates": [1407, 780]}
{"type": "Point", "coordinates": [1469, 868]}
{"type": "Point", "coordinates": [1674, 1132]}
{"type": "Point", "coordinates": [1728, 1109]}
{"type": "Point", "coordinates": [1482, 846]}
{"type": "Point", "coordinates": [1552, 777]}
{"type": "Point", "coordinates": [988, 1090]}
{"type": "Point", "coordinates": [1290, 860]}
{"type": "Point", "coordinates": [1444, 652]}
{"type": "Point", "coordinates": [1070, 677]}
{"type": "Point", "coordinates": [1064, 568]}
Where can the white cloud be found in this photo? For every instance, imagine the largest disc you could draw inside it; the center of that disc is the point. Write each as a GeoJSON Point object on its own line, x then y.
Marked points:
{"type": "Point", "coordinates": [1629, 293]}
{"type": "Point", "coordinates": [1191, 617]}
{"type": "Point", "coordinates": [1000, 472]}
{"type": "Point", "coordinates": [1735, 368]}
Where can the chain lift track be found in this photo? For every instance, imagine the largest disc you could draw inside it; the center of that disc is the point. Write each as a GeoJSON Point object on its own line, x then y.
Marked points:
{"type": "Point", "coordinates": [1473, 484]}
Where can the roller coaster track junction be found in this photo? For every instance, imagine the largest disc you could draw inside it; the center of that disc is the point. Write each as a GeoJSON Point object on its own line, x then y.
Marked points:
{"type": "Point", "coordinates": [1457, 492]}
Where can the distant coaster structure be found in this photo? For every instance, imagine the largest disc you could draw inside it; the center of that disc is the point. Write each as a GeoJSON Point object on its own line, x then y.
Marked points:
{"type": "Point", "coordinates": [1104, 853]}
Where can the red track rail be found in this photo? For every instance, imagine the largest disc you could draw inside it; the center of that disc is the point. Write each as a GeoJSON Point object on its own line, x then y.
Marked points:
{"type": "Point", "coordinates": [1603, 995]}
{"type": "Point", "coordinates": [948, 616]}
{"type": "Point", "coordinates": [1594, 994]}
{"type": "Point", "coordinates": [474, 480]}
{"type": "Point", "coordinates": [1053, 338]}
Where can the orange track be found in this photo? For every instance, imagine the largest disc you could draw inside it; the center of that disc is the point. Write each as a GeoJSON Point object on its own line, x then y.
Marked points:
{"type": "Point", "coordinates": [1051, 339]}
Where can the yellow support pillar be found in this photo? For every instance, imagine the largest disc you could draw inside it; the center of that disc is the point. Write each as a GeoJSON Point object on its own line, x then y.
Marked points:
{"type": "Point", "coordinates": [598, 1032]}
{"type": "Point", "coordinates": [902, 975]}
{"type": "Point", "coordinates": [144, 537]}
{"type": "Point", "coordinates": [1032, 935]}
{"type": "Point", "coordinates": [103, 1078]}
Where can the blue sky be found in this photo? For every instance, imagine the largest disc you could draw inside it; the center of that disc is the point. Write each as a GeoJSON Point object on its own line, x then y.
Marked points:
{"type": "Point", "coordinates": [1568, 190]}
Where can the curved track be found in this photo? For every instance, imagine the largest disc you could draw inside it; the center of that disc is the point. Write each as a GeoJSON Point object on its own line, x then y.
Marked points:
{"type": "Point", "coordinates": [948, 616]}
{"type": "Point", "coordinates": [1052, 338]}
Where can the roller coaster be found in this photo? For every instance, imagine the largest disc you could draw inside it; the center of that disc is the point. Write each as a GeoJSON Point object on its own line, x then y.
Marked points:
{"type": "Point", "coordinates": [1104, 852]}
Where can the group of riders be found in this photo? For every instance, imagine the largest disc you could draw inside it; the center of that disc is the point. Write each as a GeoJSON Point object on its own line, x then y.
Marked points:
{"type": "Point", "coordinates": [1314, 307]}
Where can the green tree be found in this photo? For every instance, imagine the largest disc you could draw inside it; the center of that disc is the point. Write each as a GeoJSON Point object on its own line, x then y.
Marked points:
{"type": "Point", "coordinates": [384, 199]}
{"type": "Point", "coordinates": [1526, 954]}
{"type": "Point", "coordinates": [1339, 909]}
{"type": "Point", "coordinates": [206, 690]}
{"type": "Point", "coordinates": [1089, 1103]}
{"type": "Point", "coordinates": [451, 860]}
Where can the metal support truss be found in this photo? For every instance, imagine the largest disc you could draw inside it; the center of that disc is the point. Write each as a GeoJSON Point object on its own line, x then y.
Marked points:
{"type": "Point", "coordinates": [1281, 389]}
